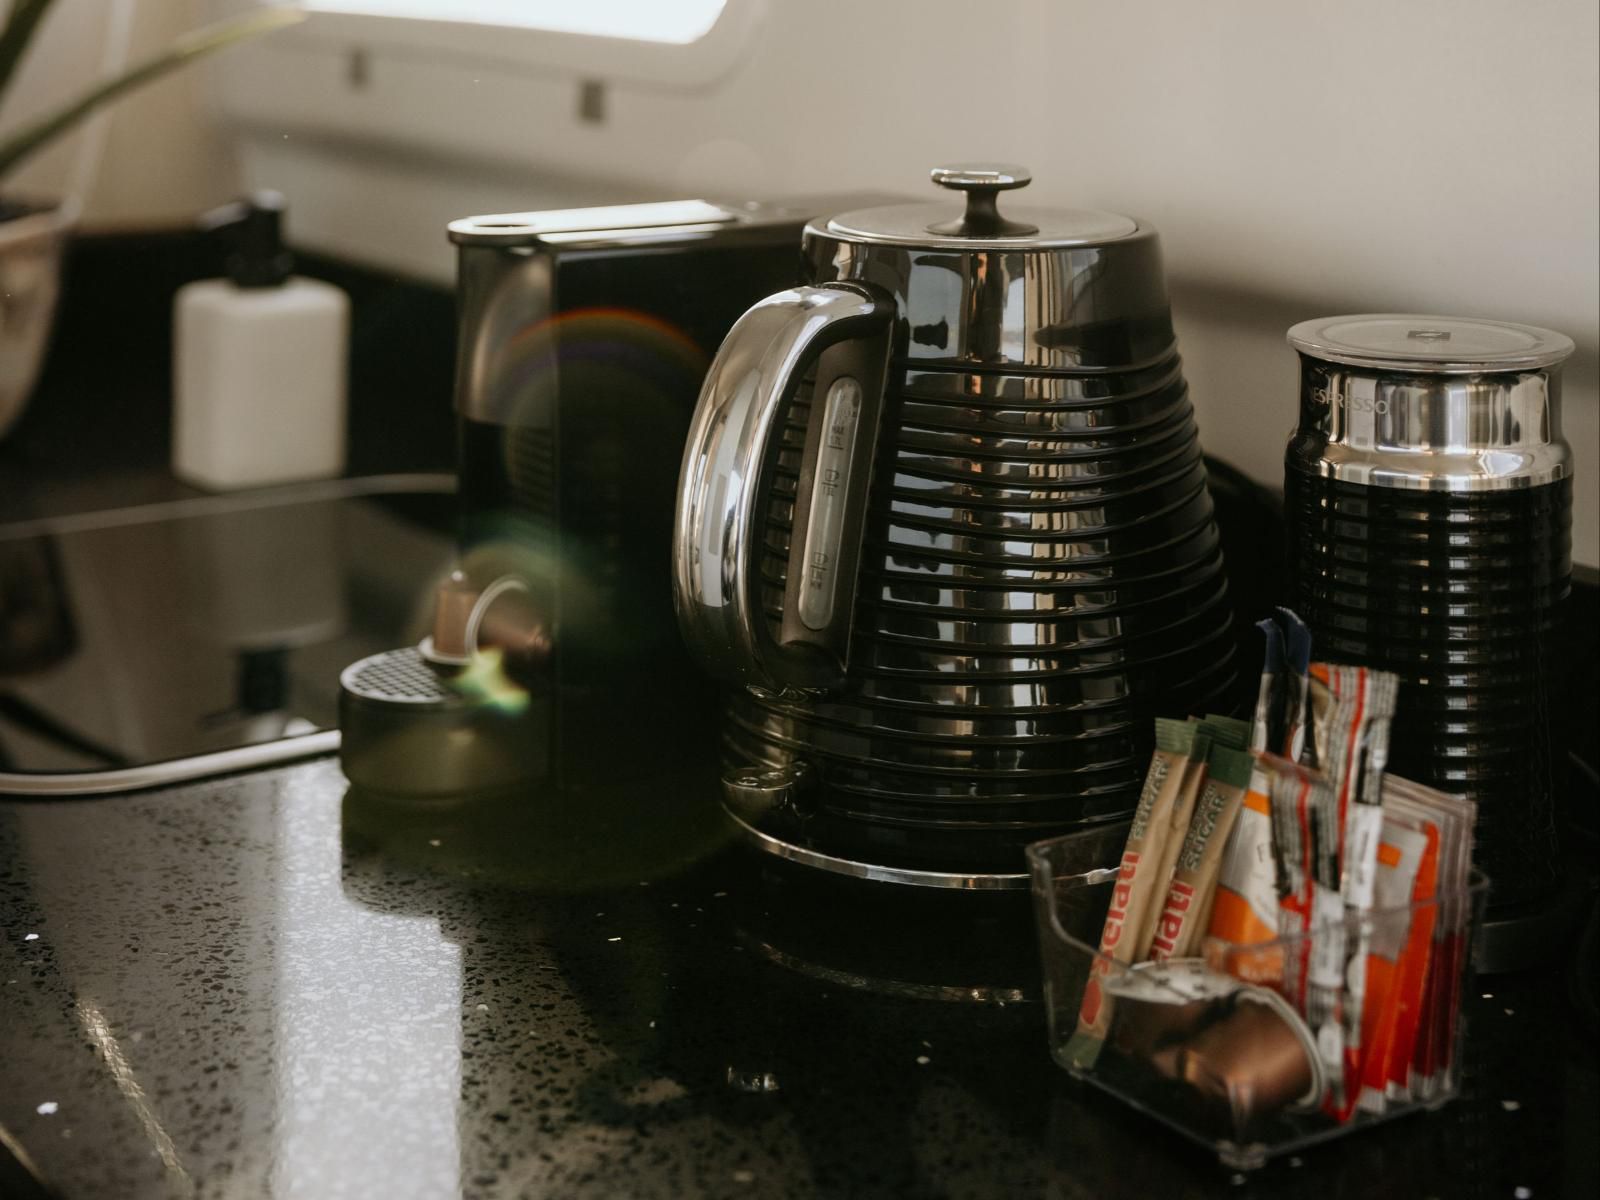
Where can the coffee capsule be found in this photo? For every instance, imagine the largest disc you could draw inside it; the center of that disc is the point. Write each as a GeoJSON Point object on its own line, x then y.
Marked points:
{"type": "Point", "coordinates": [1257, 1060]}
{"type": "Point", "coordinates": [1160, 1004]}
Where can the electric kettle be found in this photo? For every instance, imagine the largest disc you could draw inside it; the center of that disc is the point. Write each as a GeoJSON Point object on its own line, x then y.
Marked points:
{"type": "Point", "coordinates": [943, 522]}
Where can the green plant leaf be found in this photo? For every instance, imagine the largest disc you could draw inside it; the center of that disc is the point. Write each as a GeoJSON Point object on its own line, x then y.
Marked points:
{"type": "Point", "coordinates": [187, 48]}
{"type": "Point", "coordinates": [18, 33]}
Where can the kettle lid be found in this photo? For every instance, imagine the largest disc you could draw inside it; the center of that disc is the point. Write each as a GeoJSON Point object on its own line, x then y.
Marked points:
{"type": "Point", "coordinates": [980, 225]}
{"type": "Point", "coordinates": [975, 285]}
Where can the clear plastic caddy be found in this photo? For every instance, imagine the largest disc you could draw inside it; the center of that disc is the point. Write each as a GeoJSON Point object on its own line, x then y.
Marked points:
{"type": "Point", "coordinates": [1247, 1049]}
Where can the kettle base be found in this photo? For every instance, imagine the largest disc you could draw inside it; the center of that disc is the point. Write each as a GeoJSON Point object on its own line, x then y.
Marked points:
{"type": "Point", "coordinates": [875, 872]}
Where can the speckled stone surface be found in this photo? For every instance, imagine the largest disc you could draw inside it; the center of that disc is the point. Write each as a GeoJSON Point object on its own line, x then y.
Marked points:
{"type": "Point", "coordinates": [269, 986]}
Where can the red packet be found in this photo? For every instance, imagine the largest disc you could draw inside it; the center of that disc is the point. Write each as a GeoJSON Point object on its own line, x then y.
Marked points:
{"type": "Point", "coordinates": [1417, 967]}
{"type": "Point", "coordinates": [1452, 817]}
{"type": "Point", "coordinates": [1398, 954]}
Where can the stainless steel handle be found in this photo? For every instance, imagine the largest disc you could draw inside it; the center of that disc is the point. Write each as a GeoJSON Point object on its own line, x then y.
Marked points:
{"type": "Point", "coordinates": [724, 488]}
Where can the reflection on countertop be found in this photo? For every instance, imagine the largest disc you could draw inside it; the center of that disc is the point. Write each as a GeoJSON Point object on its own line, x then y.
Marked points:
{"type": "Point", "coordinates": [139, 636]}
{"type": "Point", "coordinates": [269, 985]}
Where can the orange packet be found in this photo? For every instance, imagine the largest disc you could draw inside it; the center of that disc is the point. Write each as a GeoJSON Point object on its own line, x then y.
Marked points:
{"type": "Point", "coordinates": [1244, 906]}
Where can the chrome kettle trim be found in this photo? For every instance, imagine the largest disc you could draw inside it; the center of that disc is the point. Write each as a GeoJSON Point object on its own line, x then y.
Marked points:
{"type": "Point", "coordinates": [966, 881]}
{"type": "Point", "coordinates": [1097, 308]}
{"type": "Point", "coordinates": [724, 490]}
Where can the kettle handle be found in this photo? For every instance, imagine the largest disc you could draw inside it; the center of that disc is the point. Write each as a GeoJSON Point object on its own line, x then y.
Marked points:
{"type": "Point", "coordinates": [724, 489]}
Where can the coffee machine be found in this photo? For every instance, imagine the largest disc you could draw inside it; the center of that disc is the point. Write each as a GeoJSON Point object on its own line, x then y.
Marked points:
{"type": "Point", "coordinates": [584, 335]}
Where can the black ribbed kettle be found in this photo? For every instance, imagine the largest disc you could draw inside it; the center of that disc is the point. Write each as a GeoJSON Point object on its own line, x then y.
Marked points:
{"type": "Point", "coordinates": [943, 524]}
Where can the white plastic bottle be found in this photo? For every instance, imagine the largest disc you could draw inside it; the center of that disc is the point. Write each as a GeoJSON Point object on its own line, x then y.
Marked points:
{"type": "Point", "coordinates": [259, 364]}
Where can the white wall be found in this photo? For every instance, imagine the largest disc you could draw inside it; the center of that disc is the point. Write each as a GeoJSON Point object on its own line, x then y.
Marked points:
{"type": "Point", "coordinates": [1300, 157]}
{"type": "Point", "coordinates": [158, 156]}
{"type": "Point", "coordinates": [168, 154]}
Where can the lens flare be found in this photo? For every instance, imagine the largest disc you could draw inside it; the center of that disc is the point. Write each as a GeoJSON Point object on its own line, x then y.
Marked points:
{"type": "Point", "coordinates": [484, 679]}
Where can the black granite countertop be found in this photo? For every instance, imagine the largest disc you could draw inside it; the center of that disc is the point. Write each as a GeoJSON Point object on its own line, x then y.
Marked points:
{"type": "Point", "coordinates": [271, 985]}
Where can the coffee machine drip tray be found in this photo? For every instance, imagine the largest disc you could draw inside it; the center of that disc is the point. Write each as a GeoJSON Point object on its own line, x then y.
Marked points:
{"type": "Point", "coordinates": [144, 646]}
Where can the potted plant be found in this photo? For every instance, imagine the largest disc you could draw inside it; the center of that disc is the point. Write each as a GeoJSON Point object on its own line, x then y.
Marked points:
{"type": "Point", "coordinates": [33, 232]}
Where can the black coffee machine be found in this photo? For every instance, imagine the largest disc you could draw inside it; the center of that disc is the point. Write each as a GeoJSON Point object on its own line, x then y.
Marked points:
{"type": "Point", "coordinates": [585, 335]}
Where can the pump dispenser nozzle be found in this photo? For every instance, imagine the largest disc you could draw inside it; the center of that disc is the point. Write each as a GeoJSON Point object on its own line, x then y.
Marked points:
{"type": "Point", "coordinates": [253, 225]}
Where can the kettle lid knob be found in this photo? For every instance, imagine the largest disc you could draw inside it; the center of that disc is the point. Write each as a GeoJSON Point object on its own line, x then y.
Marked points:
{"type": "Point", "coordinates": [982, 182]}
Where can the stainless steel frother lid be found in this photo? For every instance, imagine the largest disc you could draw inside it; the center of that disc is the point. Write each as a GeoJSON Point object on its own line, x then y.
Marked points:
{"type": "Point", "coordinates": [1435, 345]}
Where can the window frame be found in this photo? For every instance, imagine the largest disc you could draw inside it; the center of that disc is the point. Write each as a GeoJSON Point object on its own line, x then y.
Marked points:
{"type": "Point", "coordinates": [448, 118]}
{"type": "Point", "coordinates": [678, 66]}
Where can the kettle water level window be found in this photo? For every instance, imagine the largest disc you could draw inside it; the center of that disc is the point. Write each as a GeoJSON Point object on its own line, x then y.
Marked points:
{"type": "Point", "coordinates": [674, 22]}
